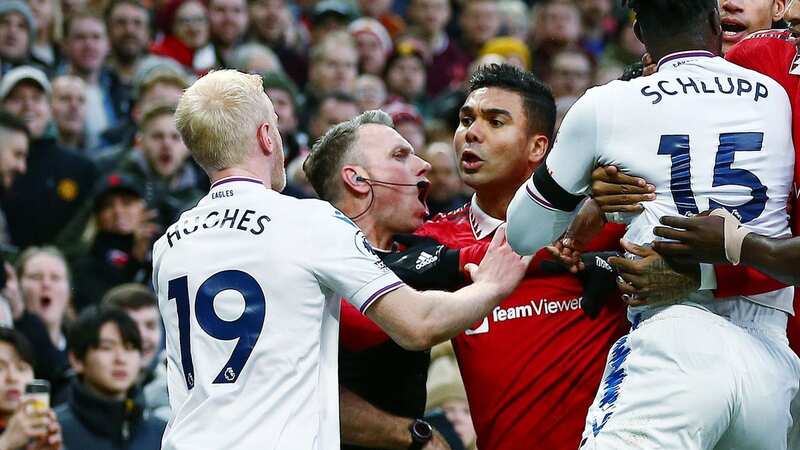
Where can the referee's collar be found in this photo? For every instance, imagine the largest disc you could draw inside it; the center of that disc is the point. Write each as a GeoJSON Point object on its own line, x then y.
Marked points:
{"type": "Point", "coordinates": [233, 179]}
{"type": "Point", "coordinates": [673, 60]}
{"type": "Point", "coordinates": [482, 223]}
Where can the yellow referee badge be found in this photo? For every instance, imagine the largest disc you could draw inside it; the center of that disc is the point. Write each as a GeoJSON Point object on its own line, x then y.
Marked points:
{"type": "Point", "coordinates": [67, 189]}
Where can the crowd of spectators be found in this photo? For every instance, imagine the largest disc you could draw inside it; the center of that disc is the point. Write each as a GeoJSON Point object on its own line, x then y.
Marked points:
{"type": "Point", "coordinates": [92, 168]}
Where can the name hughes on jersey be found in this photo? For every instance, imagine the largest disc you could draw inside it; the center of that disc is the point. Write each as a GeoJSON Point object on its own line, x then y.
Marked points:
{"type": "Point", "coordinates": [688, 85]}
{"type": "Point", "coordinates": [233, 219]}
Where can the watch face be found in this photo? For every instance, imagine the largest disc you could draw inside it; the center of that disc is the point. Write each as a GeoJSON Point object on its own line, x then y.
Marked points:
{"type": "Point", "coordinates": [422, 429]}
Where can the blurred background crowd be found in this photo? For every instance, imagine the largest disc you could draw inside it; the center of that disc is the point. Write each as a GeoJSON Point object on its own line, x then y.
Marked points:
{"type": "Point", "coordinates": [92, 168]}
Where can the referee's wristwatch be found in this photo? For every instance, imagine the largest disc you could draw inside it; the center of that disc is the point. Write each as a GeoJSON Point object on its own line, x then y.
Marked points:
{"type": "Point", "coordinates": [421, 434]}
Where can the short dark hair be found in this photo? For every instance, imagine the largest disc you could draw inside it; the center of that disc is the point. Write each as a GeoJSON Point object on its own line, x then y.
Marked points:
{"type": "Point", "coordinates": [114, 3]}
{"type": "Point", "coordinates": [338, 96]}
{"type": "Point", "coordinates": [84, 333]}
{"type": "Point", "coordinates": [130, 296]}
{"type": "Point", "coordinates": [330, 152]}
{"type": "Point", "coordinates": [20, 343]}
{"type": "Point", "coordinates": [537, 100]}
{"type": "Point", "coordinates": [11, 122]}
{"type": "Point", "coordinates": [670, 16]}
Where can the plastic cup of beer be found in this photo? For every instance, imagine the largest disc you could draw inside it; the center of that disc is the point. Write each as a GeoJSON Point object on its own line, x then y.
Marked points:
{"type": "Point", "coordinates": [38, 391]}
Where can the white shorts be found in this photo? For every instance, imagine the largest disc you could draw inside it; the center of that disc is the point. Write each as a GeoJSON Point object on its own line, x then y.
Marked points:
{"type": "Point", "coordinates": [688, 379]}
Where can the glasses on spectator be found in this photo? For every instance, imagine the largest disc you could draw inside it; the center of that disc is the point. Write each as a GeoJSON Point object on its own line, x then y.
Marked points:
{"type": "Point", "coordinates": [191, 20]}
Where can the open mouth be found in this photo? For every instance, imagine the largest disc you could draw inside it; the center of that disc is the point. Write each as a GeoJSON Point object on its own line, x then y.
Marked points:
{"type": "Point", "coordinates": [470, 161]}
{"type": "Point", "coordinates": [424, 190]}
{"type": "Point", "coordinates": [45, 301]}
{"type": "Point", "coordinates": [733, 30]}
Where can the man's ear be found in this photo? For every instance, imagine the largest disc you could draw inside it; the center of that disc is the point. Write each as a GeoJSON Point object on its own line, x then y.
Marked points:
{"type": "Point", "coordinates": [353, 180]}
{"type": "Point", "coordinates": [538, 145]}
{"type": "Point", "coordinates": [77, 364]}
{"type": "Point", "coordinates": [778, 9]}
{"type": "Point", "coordinates": [264, 140]}
{"type": "Point", "coordinates": [637, 30]}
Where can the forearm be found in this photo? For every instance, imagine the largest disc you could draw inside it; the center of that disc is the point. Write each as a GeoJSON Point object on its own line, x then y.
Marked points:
{"type": "Point", "coordinates": [533, 225]}
{"type": "Point", "coordinates": [430, 317]}
{"type": "Point", "coordinates": [778, 258]}
{"type": "Point", "coordinates": [365, 425]}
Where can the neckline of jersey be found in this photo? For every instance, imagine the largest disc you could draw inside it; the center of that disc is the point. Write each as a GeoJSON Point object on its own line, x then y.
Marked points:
{"type": "Point", "coordinates": [683, 55]}
{"type": "Point", "coordinates": [232, 179]}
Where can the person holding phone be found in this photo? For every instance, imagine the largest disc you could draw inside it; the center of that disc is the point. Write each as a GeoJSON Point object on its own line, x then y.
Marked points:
{"type": "Point", "coordinates": [25, 421]}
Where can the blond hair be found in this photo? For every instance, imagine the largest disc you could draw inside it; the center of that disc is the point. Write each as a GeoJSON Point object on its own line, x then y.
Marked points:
{"type": "Point", "coordinates": [218, 116]}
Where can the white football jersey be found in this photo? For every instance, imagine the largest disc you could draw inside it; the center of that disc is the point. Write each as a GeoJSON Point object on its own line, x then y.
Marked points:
{"type": "Point", "coordinates": [249, 283]}
{"type": "Point", "coordinates": [707, 133]}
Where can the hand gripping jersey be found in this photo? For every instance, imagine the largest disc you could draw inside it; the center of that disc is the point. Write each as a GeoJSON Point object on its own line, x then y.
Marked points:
{"type": "Point", "coordinates": [775, 54]}
{"type": "Point", "coordinates": [248, 284]}
{"type": "Point", "coordinates": [532, 366]}
{"type": "Point", "coordinates": [705, 132]}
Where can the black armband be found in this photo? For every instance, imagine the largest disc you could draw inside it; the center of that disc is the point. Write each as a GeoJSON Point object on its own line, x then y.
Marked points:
{"type": "Point", "coordinates": [552, 192]}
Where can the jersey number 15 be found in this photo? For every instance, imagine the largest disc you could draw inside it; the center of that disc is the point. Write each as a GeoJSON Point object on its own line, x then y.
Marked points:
{"type": "Point", "coordinates": [677, 147]}
{"type": "Point", "coordinates": [246, 328]}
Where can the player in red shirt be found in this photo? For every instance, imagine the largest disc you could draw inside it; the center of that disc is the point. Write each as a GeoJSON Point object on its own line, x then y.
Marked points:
{"type": "Point", "coordinates": [532, 367]}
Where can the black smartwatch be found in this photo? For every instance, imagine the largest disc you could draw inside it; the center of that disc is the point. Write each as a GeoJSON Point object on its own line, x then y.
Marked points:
{"type": "Point", "coordinates": [421, 434]}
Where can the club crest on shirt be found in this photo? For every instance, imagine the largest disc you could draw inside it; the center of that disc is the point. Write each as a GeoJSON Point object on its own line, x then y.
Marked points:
{"type": "Point", "coordinates": [795, 68]}
{"type": "Point", "coordinates": [363, 245]}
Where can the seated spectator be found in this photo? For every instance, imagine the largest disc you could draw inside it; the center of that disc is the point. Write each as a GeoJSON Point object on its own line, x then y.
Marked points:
{"type": "Point", "coordinates": [255, 58]}
{"type": "Point", "coordinates": [85, 49]}
{"type": "Point", "coordinates": [513, 50]}
{"type": "Point", "coordinates": [558, 26]}
{"type": "Point", "coordinates": [286, 100]}
{"type": "Point", "coordinates": [514, 19]}
{"type": "Point", "coordinates": [57, 181]}
{"type": "Point", "coordinates": [23, 425]}
{"type": "Point", "coordinates": [598, 24]}
{"type": "Point", "coordinates": [48, 18]}
{"type": "Point", "coordinates": [227, 20]}
{"type": "Point", "coordinates": [272, 24]}
{"type": "Point", "coordinates": [17, 30]}
{"type": "Point", "coordinates": [479, 22]}
{"type": "Point", "coordinates": [157, 80]}
{"type": "Point", "coordinates": [370, 92]}
{"type": "Point", "coordinates": [406, 75]}
{"type": "Point", "coordinates": [128, 24]}
{"type": "Point", "coordinates": [447, 190]}
{"type": "Point", "coordinates": [68, 103]}
{"type": "Point", "coordinates": [142, 306]}
{"type": "Point", "coordinates": [381, 10]}
{"type": "Point", "coordinates": [186, 35]}
{"type": "Point", "coordinates": [333, 66]}
{"type": "Point", "coordinates": [373, 43]}
{"type": "Point", "coordinates": [572, 72]}
{"type": "Point", "coordinates": [407, 122]}
{"type": "Point", "coordinates": [119, 249]}
{"type": "Point", "coordinates": [330, 16]}
{"type": "Point", "coordinates": [448, 64]}
{"type": "Point", "coordinates": [40, 310]}
{"type": "Point", "coordinates": [14, 142]}
{"type": "Point", "coordinates": [105, 407]}
{"type": "Point", "coordinates": [161, 166]}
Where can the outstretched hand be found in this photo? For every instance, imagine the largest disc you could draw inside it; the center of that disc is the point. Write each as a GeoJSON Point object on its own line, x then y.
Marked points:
{"type": "Point", "coordinates": [501, 267]}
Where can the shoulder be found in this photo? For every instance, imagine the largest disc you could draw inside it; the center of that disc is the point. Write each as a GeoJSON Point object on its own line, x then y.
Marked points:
{"type": "Point", "coordinates": [455, 215]}
{"type": "Point", "coordinates": [771, 51]}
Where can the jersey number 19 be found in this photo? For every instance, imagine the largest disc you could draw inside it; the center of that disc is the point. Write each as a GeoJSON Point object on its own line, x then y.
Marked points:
{"type": "Point", "coordinates": [246, 328]}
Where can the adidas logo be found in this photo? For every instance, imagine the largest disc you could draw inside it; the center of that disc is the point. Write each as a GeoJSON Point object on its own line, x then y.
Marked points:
{"type": "Point", "coordinates": [425, 259]}
{"type": "Point", "coordinates": [600, 262]}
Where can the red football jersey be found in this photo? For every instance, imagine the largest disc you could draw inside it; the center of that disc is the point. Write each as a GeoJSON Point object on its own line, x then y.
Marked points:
{"type": "Point", "coordinates": [532, 367]}
{"type": "Point", "coordinates": [773, 53]}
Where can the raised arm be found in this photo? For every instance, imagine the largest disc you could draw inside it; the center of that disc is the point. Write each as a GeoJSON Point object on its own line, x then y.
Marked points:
{"type": "Point", "coordinates": [418, 320]}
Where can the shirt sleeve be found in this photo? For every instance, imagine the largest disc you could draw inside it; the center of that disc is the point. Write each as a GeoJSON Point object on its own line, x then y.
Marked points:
{"type": "Point", "coordinates": [343, 261]}
{"type": "Point", "coordinates": [741, 280]}
{"type": "Point", "coordinates": [543, 207]}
